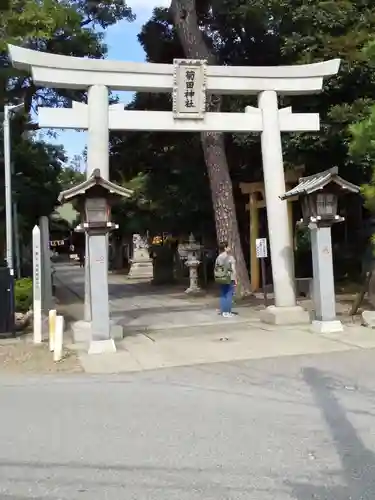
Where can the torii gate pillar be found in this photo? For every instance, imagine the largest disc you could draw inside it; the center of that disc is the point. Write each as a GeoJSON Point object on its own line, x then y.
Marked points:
{"type": "Point", "coordinates": [97, 158]}
{"type": "Point", "coordinates": [285, 310]}
{"type": "Point", "coordinates": [190, 82]}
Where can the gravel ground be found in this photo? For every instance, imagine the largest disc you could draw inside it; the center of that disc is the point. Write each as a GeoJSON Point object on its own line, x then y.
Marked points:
{"type": "Point", "coordinates": [20, 356]}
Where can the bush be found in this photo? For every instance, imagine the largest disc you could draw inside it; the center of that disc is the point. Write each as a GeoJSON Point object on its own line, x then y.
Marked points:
{"type": "Point", "coordinates": [23, 294]}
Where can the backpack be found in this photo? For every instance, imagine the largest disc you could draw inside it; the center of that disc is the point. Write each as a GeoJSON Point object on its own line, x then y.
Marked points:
{"type": "Point", "coordinates": [223, 273]}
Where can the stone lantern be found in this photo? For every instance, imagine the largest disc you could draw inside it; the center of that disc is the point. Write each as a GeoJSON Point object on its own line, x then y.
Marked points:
{"type": "Point", "coordinates": [193, 251]}
{"type": "Point", "coordinates": [319, 196]}
{"type": "Point", "coordinates": [93, 198]}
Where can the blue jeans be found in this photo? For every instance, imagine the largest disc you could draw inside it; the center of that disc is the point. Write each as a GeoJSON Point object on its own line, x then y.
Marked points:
{"type": "Point", "coordinates": [226, 297]}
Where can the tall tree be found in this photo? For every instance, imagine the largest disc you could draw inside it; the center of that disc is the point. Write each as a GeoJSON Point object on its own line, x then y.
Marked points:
{"type": "Point", "coordinates": [362, 145]}
{"type": "Point", "coordinates": [69, 176]}
{"type": "Point", "coordinates": [35, 183]}
{"type": "Point", "coordinates": [69, 27]}
{"type": "Point", "coordinates": [270, 32]}
{"type": "Point", "coordinates": [196, 46]}
{"type": "Point", "coordinates": [165, 171]}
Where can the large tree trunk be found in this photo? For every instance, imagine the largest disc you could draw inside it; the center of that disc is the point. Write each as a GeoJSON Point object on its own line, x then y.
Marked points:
{"type": "Point", "coordinates": [191, 38]}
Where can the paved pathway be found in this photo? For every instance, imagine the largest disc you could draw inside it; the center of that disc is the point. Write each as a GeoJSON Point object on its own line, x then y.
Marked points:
{"type": "Point", "coordinates": [297, 428]}
{"type": "Point", "coordinates": [140, 306]}
{"type": "Point", "coordinates": [166, 329]}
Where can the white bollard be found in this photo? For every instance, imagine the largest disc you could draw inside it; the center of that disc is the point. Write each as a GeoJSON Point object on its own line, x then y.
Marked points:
{"type": "Point", "coordinates": [59, 336]}
{"type": "Point", "coordinates": [52, 328]}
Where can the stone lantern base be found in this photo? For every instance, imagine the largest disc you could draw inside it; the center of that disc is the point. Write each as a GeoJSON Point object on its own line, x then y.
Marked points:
{"type": "Point", "coordinates": [193, 265]}
{"type": "Point", "coordinates": [194, 290]}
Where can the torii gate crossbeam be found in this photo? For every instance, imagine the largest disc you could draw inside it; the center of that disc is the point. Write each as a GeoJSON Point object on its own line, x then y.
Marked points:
{"type": "Point", "coordinates": [190, 81]}
{"type": "Point", "coordinates": [77, 117]}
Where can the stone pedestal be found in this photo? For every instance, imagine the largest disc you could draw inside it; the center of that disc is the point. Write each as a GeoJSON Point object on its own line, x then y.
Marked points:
{"type": "Point", "coordinates": [82, 332]}
{"type": "Point", "coordinates": [285, 315]}
{"type": "Point", "coordinates": [194, 288]}
{"type": "Point", "coordinates": [141, 265]}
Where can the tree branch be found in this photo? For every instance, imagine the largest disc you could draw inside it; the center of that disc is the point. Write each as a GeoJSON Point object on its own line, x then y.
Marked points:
{"type": "Point", "coordinates": [86, 22]}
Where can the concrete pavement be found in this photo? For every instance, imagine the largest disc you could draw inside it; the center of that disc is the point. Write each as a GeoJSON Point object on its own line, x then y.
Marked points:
{"type": "Point", "coordinates": [296, 428]}
{"type": "Point", "coordinates": [139, 306]}
{"type": "Point", "coordinates": [164, 328]}
{"type": "Point", "coordinates": [147, 352]}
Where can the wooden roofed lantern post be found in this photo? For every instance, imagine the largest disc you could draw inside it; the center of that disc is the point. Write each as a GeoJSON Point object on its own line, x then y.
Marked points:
{"type": "Point", "coordinates": [257, 201]}
{"type": "Point", "coordinates": [93, 198]}
{"type": "Point", "coordinates": [319, 196]}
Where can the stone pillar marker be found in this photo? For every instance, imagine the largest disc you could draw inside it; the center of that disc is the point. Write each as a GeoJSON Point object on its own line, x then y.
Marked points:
{"type": "Point", "coordinates": [46, 273]}
{"type": "Point", "coordinates": [37, 286]}
{"type": "Point", "coordinates": [101, 340]}
{"type": "Point", "coordinates": [324, 285]}
{"type": "Point", "coordinates": [87, 299]}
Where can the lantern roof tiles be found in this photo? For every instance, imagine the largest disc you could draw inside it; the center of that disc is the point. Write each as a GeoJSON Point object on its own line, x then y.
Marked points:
{"type": "Point", "coordinates": [95, 179]}
{"type": "Point", "coordinates": [316, 182]}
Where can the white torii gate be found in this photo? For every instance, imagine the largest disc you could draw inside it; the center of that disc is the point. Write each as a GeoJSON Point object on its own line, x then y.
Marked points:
{"type": "Point", "coordinates": [191, 80]}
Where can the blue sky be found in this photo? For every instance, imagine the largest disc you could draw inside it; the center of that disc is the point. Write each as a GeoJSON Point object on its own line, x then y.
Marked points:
{"type": "Point", "coordinates": [123, 45]}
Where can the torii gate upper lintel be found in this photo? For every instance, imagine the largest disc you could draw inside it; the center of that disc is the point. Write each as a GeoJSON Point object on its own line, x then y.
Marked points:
{"type": "Point", "coordinates": [80, 73]}
{"type": "Point", "coordinates": [190, 81]}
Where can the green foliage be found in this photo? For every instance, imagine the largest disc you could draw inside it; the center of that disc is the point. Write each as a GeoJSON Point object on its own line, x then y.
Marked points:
{"type": "Point", "coordinates": [68, 27]}
{"type": "Point", "coordinates": [167, 174]}
{"type": "Point", "coordinates": [172, 189]}
{"type": "Point", "coordinates": [362, 145]}
{"type": "Point", "coordinates": [26, 20]}
{"type": "Point", "coordinates": [368, 192]}
{"type": "Point", "coordinates": [35, 184]}
{"type": "Point", "coordinates": [23, 293]}
{"type": "Point", "coordinates": [69, 176]}
{"type": "Point", "coordinates": [363, 136]}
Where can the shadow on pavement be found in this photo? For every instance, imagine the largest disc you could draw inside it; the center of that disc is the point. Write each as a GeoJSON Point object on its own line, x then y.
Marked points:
{"type": "Point", "coordinates": [358, 462]}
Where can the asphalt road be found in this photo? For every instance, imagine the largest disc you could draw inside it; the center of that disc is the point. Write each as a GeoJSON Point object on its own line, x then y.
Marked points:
{"type": "Point", "coordinates": [288, 428]}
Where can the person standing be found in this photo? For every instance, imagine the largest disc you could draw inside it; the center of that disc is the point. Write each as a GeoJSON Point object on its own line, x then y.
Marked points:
{"type": "Point", "coordinates": [81, 257]}
{"type": "Point", "coordinates": [225, 276]}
